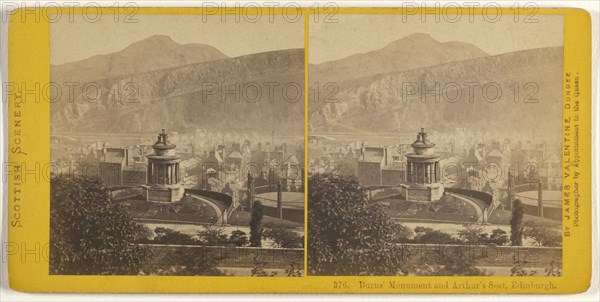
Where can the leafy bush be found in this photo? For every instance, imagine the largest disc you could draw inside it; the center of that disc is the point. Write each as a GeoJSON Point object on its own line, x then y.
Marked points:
{"type": "Point", "coordinates": [347, 234]}
{"type": "Point", "coordinates": [169, 236]}
{"type": "Point", "coordinates": [284, 238]}
{"type": "Point", "coordinates": [213, 235]}
{"type": "Point", "coordinates": [88, 234]}
{"type": "Point", "coordinates": [429, 235]}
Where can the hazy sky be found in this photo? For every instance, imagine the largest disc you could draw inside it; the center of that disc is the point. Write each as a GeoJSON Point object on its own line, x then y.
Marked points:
{"type": "Point", "coordinates": [76, 39]}
{"type": "Point", "coordinates": [363, 33]}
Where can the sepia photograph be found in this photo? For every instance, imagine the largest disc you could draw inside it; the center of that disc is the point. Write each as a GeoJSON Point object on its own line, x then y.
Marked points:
{"type": "Point", "coordinates": [435, 146]}
{"type": "Point", "coordinates": [178, 146]}
{"type": "Point", "coordinates": [333, 149]}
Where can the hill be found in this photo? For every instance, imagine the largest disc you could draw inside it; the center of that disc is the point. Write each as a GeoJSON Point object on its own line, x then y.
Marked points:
{"type": "Point", "coordinates": [487, 92]}
{"type": "Point", "coordinates": [413, 51]}
{"type": "Point", "coordinates": [246, 93]}
{"type": "Point", "coordinates": [153, 53]}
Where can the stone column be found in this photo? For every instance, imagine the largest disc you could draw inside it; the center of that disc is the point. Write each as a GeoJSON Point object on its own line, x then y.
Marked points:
{"type": "Point", "coordinates": [155, 174]}
{"type": "Point", "coordinates": [430, 173]}
{"type": "Point", "coordinates": [173, 173]}
{"type": "Point", "coordinates": [417, 172]}
{"type": "Point", "coordinates": [166, 174]}
{"type": "Point", "coordinates": [169, 174]}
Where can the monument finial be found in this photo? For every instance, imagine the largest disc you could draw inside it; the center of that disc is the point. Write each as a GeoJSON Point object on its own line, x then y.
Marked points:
{"type": "Point", "coordinates": [163, 137]}
{"type": "Point", "coordinates": [423, 135]}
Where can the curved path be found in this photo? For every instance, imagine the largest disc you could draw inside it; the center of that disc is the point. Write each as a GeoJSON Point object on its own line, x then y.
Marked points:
{"type": "Point", "coordinates": [472, 203]}
{"type": "Point", "coordinates": [212, 205]}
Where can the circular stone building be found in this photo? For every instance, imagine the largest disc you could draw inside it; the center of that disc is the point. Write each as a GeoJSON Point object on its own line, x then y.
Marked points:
{"type": "Point", "coordinates": [164, 177]}
{"type": "Point", "coordinates": [423, 176]}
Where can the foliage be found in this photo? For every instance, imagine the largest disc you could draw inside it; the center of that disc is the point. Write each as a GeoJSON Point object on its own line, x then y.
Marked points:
{"type": "Point", "coordinates": [212, 235]}
{"type": "Point", "coordinates": [256, 224]}
{"type": "Point", "coordinates": [242, 218]}
{"type": "Point", "coordinates": [169, 236]}
{"type": "Point", "coordinates": [294, 270]}
{"type": "Point", "coordinates": [196, 261]}
{"type": "Point", "coordinates": [429, 235]}
{"type": "Point", "coordinates": [143, 234]}
{"type": "Point", "coordinates": [238, 238]}
{"type": "Point", "coordinates": [542, 235]}
{"type": "Point", "coordinates": [284, 238]}
{"type": "Point", "coordinates": [347, 235]}
{"type": "Point", "coordinates": [473, 233]}
{"type": "Point", "coordinates": [401, 233]}
{"type": "Point", "coordinates": [554, 269]}
{"type": "Point", "coordinates": [519, 270]}
{"type": "Point", "coordinates": [532, 256]}
{"type": "Point", "coordinates": [499, 237]}
{"type": "Point", "coordinates": [516, 228]}
{"type": "Point", "coordinates": [259, 269]}
{"type": "Point", "coordinates": [453, 266]}
{"type": "Point", "coordinates": [88, 234]}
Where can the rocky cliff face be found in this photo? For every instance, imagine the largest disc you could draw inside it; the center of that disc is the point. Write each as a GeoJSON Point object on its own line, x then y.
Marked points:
{"type": "Point", "coordinates": [256, 92]}
{"type": "Point", "coordinates": [506, 91]}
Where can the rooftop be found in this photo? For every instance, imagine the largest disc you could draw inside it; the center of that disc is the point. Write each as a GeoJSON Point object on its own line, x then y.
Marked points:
{"type": "Point", "coordinates": [115, 155]}
{"type": "Point", "coordinates": [372, 155]}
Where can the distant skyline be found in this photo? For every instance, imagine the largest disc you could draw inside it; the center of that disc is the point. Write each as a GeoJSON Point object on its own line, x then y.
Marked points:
{"type": "Point", "coordinates": [75, 40]}
{"type": "Point", "coordinates": [354, 34]}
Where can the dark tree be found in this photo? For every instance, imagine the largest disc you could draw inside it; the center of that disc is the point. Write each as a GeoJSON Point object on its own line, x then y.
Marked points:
{"type": "Point", "coordinates": [212, 235]}
{"type": "Point", "coordinates": [238, 238]}
{"type": "Point", "coordinates": [402, 234]}
{"type": "Point", "coordinates": [169, 236]}
{"type": "Point", "coordinates": [473, 233]}
{"type": "Point", "coordinates": [516, 221]}
{"type": "Point", "coordinates": [499, 237]}
{"type": "Point", "coordinates": [348, 235]}
{"type": "Point", "coordinates": [431, 236]}
{"type": "Point", "coordinates": [88, 234]}
{"type": "Point", "coordinates": [256, 224]}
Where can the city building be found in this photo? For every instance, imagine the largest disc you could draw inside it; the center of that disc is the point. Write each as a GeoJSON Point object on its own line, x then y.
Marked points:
{"type": "Point", "coordinates": [370, 163]}
{"type": "Point", "coordinates": [111, 166]}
